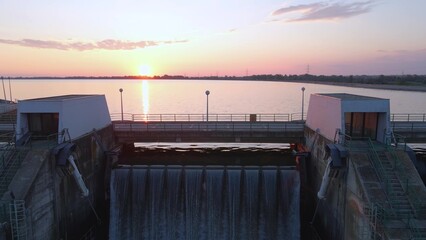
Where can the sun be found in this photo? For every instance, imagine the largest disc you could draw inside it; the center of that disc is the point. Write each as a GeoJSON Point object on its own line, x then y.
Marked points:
{"type": "Point", "coordinates": [145, 70]}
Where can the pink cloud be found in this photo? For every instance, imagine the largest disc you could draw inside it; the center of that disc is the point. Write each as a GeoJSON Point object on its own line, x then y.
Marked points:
{"type": "Point", "coordinates": [107, 44]}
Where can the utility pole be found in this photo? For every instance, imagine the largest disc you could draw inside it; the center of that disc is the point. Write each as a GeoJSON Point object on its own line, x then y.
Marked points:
{"type": "Point", "coordinates": [4, 90]}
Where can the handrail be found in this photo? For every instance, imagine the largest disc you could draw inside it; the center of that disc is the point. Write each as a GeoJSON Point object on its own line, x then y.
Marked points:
{"type": "Point", "coordinates": [245, 117]}
{"type": "Point", "coordinates": [50, 139]}
{"type": "Point", "coordinates": [409, 186]}
{"type": "Point", "coordinates": [380, 170]}
{"type": "Point", "coordinates": [408, 126]}
{"type": "Point", "coordinates": [209, 126]}
{"type": "Point", "coordinates": [404, 180]}
{"type": "Point", "coordinates": [384, 177]}
{"type": "Point", "coordinates": [231, 117]}
{"type": "Point", "coordinates": [18, 222]}
{"type": "Point", "coordinates": [344, 138]}
{"type": "Point", "coordinates": [398, 139]}
{"type": "Point", "coordinates": [12, 159]}
{"type": "Point", "coordinates": [408, 117]}
{"type": "Point", "coordinates": [7, 137]}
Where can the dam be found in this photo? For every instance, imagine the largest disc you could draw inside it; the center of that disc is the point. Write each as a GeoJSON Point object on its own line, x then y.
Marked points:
{"type": "Point", "coordinates": [346, 175]}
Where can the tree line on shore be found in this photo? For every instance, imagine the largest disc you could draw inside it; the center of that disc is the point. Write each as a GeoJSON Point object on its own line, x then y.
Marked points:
{"type": "Point", "coordinates": [363, 79]}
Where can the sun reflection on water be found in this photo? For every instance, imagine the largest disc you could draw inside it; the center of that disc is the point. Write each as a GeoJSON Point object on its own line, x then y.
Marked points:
{"type": "Point", "coordinates": [145, 99]}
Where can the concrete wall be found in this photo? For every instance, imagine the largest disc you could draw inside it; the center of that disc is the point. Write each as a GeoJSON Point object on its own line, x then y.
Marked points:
{"type": "Point", "coordinates": [339, 215]}
{"type": "Point", "coordinates": [327, 220]}
{"type": "Point", "coordinates": [39, 106]}
{"type": "Point", "coordinates": [374, 105]}
{"type": "Point", "coordinates": [54, 204]}
{"type": "Point", "coordinates": [324, 113]}
{"type": "Point", "coordinates": [383, 127]}
{"type": "Point", "coordinates": [22, 125]}
{"type": "Point", "coordinates": [83, 114]}
{"type": "Point", "coordinates": [40, 201]}
{"type": "Point", "coordinates": [76, 216]}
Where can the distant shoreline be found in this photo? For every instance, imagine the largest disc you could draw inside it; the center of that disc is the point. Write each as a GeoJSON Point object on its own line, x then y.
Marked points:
{"type": "Point", "coordinates": [383, 86]}
{"type": "Point", "coordinates": [420, 88]}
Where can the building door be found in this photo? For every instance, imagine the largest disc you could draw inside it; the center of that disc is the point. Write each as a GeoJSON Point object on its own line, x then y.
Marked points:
{"type": "Point", "coordinates": [360, 124]}
{"type": "Point", "coordinates": [43, 123]}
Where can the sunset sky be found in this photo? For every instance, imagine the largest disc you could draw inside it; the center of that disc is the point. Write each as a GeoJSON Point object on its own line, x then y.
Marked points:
{"type": "Point", "coordinates": [221, 37]}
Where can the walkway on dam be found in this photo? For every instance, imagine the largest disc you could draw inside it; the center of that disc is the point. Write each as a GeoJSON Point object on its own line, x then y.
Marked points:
{"type": "Point", "coordinates": [266, 128]}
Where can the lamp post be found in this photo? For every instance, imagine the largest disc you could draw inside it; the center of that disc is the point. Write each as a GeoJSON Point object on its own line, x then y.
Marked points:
{"type": "Point", "coordinates": [121, 97]}
{"type": "Point", "coordinates": [207, 94]}
{"type": "Point", "coordinates": [10, 91]}
{"type": "Point", "coordinates": [303, 100]}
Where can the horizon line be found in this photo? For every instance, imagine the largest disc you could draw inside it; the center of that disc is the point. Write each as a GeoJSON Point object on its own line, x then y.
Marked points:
{"type": "Point", "coordinates": [211, 77]}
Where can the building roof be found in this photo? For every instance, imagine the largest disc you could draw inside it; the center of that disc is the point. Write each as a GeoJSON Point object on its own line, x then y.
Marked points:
{"type": "Point", "coordinates": [350, 97]}
{"type": "Point", "coordinates": [61, 98]}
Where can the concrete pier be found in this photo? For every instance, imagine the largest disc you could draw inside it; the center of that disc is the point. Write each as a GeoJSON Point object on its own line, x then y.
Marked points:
{"type": "Point", "coordinates": [52, 176]}
{"type": "Point", "coordinates": [374, 191]}
{"type": "Point", "coordinates": [54, 205]}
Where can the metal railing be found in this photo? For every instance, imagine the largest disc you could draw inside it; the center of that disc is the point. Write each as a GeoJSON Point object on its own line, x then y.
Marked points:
{"type": "Point", "coordinates": [6, 108]}
{"type": "Point", "coordinates": [11, 159]}
{"type": "Point", "coordinates": [48, 140]}
{"type": "Point", "coordinates": [408, 117]}
{"type": "Point", "coordinates": [408, 126]}
{"type": "Point", "coordinates": [243, 117]}
{"type": "Point", "coordinates": [209, 126]}
{"type": "Point", "coordinates": [379, 168]}
{"type": "Point", "coordinates": [264, 117]}
{"type": "Point", "coordinates": [409, 186]}
{"type": "Point", "coordinates": [8, 137]}
{"type": "Point", "coordinates": [18, 220]}
{"type": "Point", "coordinates": [376, 212]}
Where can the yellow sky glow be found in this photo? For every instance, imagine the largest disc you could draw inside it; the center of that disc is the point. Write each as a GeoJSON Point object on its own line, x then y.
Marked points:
{"type": "Point", "coordinates": [264, 37]}
{"type": "Point", "coordinates": [145, 70]}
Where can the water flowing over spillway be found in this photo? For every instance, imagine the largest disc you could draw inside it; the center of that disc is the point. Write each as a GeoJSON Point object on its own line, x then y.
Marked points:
{"type": "Point", "coordinates": [205, 202]}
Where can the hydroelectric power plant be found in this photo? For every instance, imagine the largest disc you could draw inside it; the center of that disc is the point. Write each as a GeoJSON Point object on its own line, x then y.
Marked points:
{"type": "Point", "coordinates": [72, 173]}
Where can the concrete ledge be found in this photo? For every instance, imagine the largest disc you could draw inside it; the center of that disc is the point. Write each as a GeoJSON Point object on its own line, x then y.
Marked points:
{"type": "Point", "coordinates": [26, 174]}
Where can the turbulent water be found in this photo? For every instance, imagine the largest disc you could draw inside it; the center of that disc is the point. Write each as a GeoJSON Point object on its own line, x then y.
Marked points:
{"type": "Point", "coordinates": [196, 202]}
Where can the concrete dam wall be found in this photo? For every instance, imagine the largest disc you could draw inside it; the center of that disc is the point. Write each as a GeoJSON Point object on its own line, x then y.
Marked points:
{"type": "Point", "coordinates": [204, 202]}
{"type": "Point", "coordinates": [53, 206]}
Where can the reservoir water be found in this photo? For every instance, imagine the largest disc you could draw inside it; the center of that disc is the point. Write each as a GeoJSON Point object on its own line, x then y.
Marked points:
{"type": "Point", "coordinates": [188, 96]}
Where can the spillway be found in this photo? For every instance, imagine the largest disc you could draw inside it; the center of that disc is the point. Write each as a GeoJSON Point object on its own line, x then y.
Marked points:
{"type": "Point", "coordinates": [204, 202]}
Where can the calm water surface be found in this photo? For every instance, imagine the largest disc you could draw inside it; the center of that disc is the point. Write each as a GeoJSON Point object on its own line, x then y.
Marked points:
{"type": "Point", "coordinates": [188, 96]}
